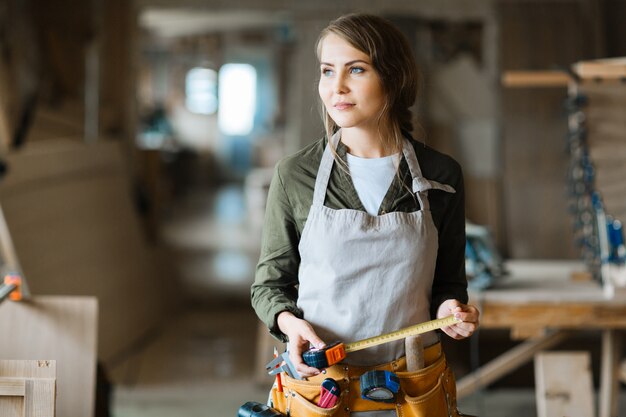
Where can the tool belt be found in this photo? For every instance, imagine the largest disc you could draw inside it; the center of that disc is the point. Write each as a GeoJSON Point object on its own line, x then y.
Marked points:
{"type": "Point", "coordinates": [428, 392]}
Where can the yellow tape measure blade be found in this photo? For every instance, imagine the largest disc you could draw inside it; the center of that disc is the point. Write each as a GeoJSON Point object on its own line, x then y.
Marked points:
{"type": "Point", "coordinates": [401, 334]}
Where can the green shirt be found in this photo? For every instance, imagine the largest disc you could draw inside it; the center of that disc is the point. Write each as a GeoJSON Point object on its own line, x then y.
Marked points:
{"type": "Point", "coordinates": [289, 200]}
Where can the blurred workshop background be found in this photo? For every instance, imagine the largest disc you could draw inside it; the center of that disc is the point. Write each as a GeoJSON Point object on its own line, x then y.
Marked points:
{"type": "Point", "coordinates": [138, 140]}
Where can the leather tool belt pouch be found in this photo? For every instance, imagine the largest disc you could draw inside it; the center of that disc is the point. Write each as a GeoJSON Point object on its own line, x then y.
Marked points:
{"type": "Point", "coordinates": [428, 392]}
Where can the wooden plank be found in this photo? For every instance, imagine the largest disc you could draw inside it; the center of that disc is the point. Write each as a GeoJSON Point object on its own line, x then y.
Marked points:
{"type": "Point", "coordinates": [39, 398]}
{"type": "Point", "coordinates": [506, 363]}
{"type": "Point", "coordinates": [12, 406]}
{"type": "Point", "coordinates": [563, 384]}
{"type": "Point", "coordinates": [62, 329]}
{"type": "Point", "coordinates": [5, 131]}
{"type": "Point", "coordinates": [553, 315]}
{"type": "Point", "coordinates": [14, 387]}
{"type": "Point", "coordinates": [5, 127]}
{"type": "Point", "coordinates": [614, 68]}
{"type": "Point", "coordinates": [525, 79]}
{"type": "Point", "coordinates": [28, 368]}
{"type": "Point", "coordinates": [27, 388]}
{"type": "Point", "coordinates": [609, 380]}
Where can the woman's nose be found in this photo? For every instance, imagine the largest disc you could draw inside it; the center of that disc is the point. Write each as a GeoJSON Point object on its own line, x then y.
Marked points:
{"type": "Point", "coordinates": [340, 85]}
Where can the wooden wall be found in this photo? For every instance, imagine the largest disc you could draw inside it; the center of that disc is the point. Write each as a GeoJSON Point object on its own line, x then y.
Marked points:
{"type": "Point", "coordinates": [536, 36]}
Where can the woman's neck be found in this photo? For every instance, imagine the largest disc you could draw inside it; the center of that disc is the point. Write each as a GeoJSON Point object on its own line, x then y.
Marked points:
{"type": "Point", "coordinates": [363, 143]}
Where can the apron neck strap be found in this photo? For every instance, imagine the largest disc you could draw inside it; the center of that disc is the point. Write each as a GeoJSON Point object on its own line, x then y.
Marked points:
{"type": "Point", "coordinates": [326, 166]}
{"type": "Point", "coordinates": [323, 173]}
{"type": "Point", "coordinates": [416, 174]}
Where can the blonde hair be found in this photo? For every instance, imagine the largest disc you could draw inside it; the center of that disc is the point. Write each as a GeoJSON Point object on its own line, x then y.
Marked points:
{"type": "Point", "coordinates": [393, 60]}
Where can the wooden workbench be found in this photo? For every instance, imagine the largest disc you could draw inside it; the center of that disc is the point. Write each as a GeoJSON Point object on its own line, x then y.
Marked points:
{"type": "Point", "coordinates": [543, 302]}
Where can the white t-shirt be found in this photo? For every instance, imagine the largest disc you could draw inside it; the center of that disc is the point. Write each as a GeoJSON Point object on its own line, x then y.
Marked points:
{"type": "Point", "coordinates": [372, 178]}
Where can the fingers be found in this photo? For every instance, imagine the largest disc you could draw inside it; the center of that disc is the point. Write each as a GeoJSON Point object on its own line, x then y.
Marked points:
{"type": "Point", "coordinates": [295, 354]}
{"type": "Point", "coordinates": [468, 314]}
{"type": "Point", "coordinates": [460, 330]}
{"type": "Point", "coordinates": [447, 308]}
{"type": "Point", "coordinates": [451, 332]}
{"type": "Point", "coordinates": [301, 335]}
{"type": "Point", "coordinates": [311, 337]}
{"type": "Point", "coordinates": [299, 345]}
{"type": "Point", "coordinates": [304, 370]}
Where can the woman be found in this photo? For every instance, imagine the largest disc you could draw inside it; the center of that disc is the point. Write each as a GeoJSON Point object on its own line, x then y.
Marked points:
{"type": "Point", "coordinates": [365, 230]}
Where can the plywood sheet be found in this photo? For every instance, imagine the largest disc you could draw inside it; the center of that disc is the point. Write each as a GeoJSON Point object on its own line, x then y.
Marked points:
{"type": "Point", "coordinates": [69, 209]}
{"type": "Point", "coordinates": [58, 328]}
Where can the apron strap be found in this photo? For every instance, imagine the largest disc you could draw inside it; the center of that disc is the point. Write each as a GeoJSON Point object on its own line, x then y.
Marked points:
{"type": "Point", "coordinates": [420, 184]}
{"type": "Point", "coordinates": [323, 173]}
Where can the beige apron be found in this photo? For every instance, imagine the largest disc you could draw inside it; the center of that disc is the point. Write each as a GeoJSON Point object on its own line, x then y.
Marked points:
{"type": "Point", "coordinates": [361, 276]}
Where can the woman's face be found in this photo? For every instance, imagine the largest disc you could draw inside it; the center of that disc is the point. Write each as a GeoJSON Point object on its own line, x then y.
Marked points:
{"type": "Point", "coordinates": [349, 87]}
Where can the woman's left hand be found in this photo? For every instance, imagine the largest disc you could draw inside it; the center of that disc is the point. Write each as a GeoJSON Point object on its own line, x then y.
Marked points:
{"type": "Point", "coordinates": [467, 313]}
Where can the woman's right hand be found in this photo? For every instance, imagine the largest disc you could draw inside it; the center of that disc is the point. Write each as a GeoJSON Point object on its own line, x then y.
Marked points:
{"type": "Point", "coordinates": [301, 336]}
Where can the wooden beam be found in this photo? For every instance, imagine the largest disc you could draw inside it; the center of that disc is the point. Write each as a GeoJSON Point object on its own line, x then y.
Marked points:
{"type": "Point", "coordinates": [604, 70]}
{"type": "Point", "coordinates": [5, 129]}
{"type": "Point", "coordinates": [609, 69]}
{"type": "Point", "coordinates": [28, 368]}
{"type": "Point", "coordinates": [524, 79]}
{"type": "Point", "coordinates": [556, 315]}
{"type": "Point", "coordinates": [506, 363]}
{"type": "Point", "coordinates": [12, 387]}
{"type": "Point", "coordinates": [611, 347]}
{"type": "Point", "coordinates": [40, 398]}
{"type": "Point", "coordinates": [459, 9]}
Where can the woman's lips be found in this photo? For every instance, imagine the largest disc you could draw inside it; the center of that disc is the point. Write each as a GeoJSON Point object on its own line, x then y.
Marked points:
{"type": "Point", "coordinates": [343, 106]}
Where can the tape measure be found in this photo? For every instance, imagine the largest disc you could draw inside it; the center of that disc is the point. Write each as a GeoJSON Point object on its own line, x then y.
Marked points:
{"type": "Point", "coordinates": [381, 386]}
{"type": "Point", "coordinates": [401, 334]}
{"type": "Point", "coordinates": [336, 352]}
{"type": "Point", "coordinates": [323, 358]}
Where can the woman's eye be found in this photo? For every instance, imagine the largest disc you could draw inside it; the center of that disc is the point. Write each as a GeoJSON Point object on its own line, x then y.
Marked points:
{"type": "Point", "coordinates": [327, 72]}
{"type": "Point", "coordinates": [356, 70]}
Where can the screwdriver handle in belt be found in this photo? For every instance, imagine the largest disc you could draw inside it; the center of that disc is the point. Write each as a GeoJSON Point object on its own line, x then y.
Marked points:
{"type": "Point", "coordinates": [329, 393]}
{"type": "Point", "coordinates": [336, 352]}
